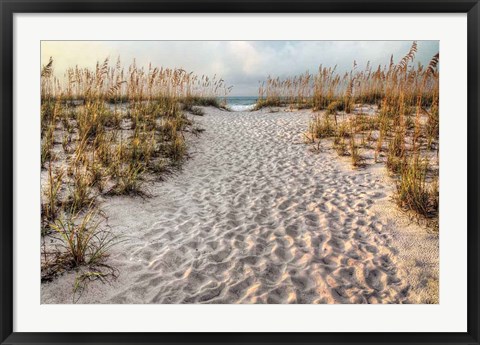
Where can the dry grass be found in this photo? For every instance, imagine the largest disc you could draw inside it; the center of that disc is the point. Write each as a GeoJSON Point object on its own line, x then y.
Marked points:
{"type": "Point", "coordinates": [83, 240]}
{"type": "Point", "coordinates": [401, 131]}
{"type": "Point", "coordinates": [108, 131]}
{"type": "Point", "coordinates": [413, 192]}
{"type": "Point", "coordinates": [335, 92]}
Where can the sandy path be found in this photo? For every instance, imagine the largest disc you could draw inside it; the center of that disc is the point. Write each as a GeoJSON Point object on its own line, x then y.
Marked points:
{"type": "Point", "coordinates": [256, 217]}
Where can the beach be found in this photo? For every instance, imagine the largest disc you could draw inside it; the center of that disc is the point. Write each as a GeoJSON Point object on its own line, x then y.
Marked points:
{"type": "Point", "coordinates": [256, 216]}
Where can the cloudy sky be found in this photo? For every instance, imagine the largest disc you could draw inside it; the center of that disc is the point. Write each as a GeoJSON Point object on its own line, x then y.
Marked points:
{"type": "Point", "coordinates": [240, 63]}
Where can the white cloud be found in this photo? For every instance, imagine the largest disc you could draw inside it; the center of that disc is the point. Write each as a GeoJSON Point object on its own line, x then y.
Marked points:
{"type": "Point", "coordinates": [246, 56]}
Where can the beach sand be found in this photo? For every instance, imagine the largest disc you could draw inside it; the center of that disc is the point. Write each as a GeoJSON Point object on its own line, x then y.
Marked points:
{"type": "Point", "coordinates": [255, 216]}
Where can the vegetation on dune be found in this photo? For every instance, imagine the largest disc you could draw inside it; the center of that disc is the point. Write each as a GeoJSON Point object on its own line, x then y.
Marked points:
{"type": "Point", "coordinates": [105, 132]}
{"type": "Point", "coordinates": [403, 130]}
{"type": "Point", "coordinates": [327, 89]}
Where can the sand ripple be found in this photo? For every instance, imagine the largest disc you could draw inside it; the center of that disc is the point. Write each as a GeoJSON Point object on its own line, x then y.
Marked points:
{"type": "Point", "coordinates": [254, 217]}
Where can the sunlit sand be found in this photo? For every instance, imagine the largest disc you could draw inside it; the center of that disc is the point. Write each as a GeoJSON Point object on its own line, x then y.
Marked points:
{"type": "Point", "coordinates": [254, 216]}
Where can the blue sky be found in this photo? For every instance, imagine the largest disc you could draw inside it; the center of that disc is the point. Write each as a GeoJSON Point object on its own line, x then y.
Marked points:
{"type": "Point", "coordinates": [240, 63]}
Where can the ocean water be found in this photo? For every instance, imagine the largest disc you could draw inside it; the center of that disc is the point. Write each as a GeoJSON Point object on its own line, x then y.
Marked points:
{"type": "Point", "coordinates": [244, 103]}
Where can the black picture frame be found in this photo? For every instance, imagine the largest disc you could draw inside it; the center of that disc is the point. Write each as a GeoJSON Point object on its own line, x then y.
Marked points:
{"type": "Point", "coordinates": [9, 8]}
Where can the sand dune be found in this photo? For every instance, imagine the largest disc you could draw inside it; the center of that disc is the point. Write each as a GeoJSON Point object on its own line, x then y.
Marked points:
{"type": "Point", "coordinates": [256, 217]}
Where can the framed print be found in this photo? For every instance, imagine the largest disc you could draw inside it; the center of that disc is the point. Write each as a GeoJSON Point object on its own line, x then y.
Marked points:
{"type": "Point", "coordinates": [241, 172]}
